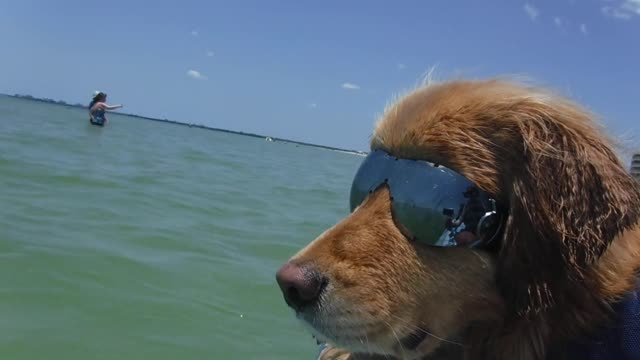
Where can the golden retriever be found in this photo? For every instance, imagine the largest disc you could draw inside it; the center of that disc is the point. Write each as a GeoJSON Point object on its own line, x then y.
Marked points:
{"type": "Point", "coordinates": [568, 252]}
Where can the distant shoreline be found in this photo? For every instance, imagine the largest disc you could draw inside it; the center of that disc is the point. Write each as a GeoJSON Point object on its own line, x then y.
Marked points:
{"type": "Point", "coordinates": [266, 137]}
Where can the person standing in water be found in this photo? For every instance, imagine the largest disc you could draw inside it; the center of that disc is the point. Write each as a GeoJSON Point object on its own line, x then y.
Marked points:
{"type": "Point", "coordinates": [98, 107]}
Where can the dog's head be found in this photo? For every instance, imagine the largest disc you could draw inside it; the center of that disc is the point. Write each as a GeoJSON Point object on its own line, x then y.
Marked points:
{"type": "Point", "coordinates": [367, 286]}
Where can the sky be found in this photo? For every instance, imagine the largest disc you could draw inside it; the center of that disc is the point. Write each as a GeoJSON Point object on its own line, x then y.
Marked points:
{"type": "Point", "coordinates": [315, 71]}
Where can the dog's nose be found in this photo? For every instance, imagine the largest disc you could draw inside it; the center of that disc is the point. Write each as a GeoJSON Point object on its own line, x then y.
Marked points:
{"type": "Point", "coordinates": [300, 285]}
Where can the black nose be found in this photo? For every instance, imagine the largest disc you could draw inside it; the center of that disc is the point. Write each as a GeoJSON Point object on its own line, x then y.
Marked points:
{"type": "Point", "coordinates": [300, 285]}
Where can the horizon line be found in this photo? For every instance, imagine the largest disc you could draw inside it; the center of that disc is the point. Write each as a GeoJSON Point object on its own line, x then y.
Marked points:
{"type": "Point", "coordinates": [202, 126]}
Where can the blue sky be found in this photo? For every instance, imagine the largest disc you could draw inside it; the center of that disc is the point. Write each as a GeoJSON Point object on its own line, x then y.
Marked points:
{"type": "Point", "coordinates": [317, 71]}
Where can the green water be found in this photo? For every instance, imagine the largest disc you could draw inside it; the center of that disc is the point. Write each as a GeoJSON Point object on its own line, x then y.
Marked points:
{"type": "Point", "coordinates": [144, 240]}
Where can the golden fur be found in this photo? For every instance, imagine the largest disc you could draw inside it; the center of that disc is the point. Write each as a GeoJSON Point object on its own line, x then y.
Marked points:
{"type": "Point", "coordinates": [570, 248]}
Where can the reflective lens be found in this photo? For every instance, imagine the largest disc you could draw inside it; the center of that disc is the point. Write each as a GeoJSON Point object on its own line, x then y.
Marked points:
{"type": "Point", "coordinates": [432, 204]}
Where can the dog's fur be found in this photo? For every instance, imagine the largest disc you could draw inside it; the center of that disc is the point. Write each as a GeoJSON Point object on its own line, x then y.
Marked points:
{"type": "Point", "coordinates": [570, 248]}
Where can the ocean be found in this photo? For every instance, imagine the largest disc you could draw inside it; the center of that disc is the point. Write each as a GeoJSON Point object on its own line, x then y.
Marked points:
{"type": "Point", "coordinates": [147, 240]}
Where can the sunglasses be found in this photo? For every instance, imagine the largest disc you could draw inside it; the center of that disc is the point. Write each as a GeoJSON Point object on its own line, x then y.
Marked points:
{"type": "Point", "coordinates": [430, 203]}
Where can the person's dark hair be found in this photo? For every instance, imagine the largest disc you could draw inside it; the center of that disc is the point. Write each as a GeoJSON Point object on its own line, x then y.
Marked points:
{"type": "Point", "coordinates": [99, 97]}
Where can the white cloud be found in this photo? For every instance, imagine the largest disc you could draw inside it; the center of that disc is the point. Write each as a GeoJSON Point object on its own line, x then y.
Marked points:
{"type": "Point", "coordinates": [623, 11]}
{"type": "Point", "coordinates": [196, 75]}
{"type": "Point", "coordinates": [350, 86]}
{"type": "Point", "coordinates": [583, 29]}
{"type": "Point", "coordinates": [210, 53]}
{"type": "Point", "coordinates": [557, 21]}
{"type": "Point", "coordinates": [313, 105]}
{"type": "Point", "coordinates": [532, 11]}
{"type": "Point", "coordinates": [615, 13]}
{"type": "Point", "coordinates": [632, 6]}
{"type": "Point", "coordinates": [194, 33]}
{"type": "Point", "coordinates": [402, 66]}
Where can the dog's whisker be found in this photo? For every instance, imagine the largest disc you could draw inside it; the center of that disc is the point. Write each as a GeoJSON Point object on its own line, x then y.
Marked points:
{"type": "Point", "coordinates": [482, 259]}
{"type": "Point", "coordinates": [397, 339]}
{"type": "Point", "coordinates": [386, 356]}
{"type": "Point", "coordinates": [411, 327]}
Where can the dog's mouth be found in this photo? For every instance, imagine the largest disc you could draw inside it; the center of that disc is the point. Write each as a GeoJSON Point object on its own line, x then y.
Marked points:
{"type": "Point", "coordinates": [331, 320]}
{"type": "Point", "coordinates": [348, 326]}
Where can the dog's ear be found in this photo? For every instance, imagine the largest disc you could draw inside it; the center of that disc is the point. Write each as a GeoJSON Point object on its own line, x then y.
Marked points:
{"type": "Point", "coordinates": [568, 197]}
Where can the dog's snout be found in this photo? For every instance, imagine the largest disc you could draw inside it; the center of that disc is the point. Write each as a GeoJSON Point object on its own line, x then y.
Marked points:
{"type": "Point", "coordinates": [300, 285]}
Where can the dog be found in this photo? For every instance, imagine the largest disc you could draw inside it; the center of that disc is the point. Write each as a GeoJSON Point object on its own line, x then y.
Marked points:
{"type": "Point", "coordinates": [560, 277]}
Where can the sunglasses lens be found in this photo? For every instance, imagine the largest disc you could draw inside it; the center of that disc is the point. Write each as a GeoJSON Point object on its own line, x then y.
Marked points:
{"type": "Point", "coordinates": [430, 204]}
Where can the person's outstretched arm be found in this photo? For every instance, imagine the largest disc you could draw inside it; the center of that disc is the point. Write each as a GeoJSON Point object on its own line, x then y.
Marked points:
{"type": "Point", "coordinates": [111, 107]}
